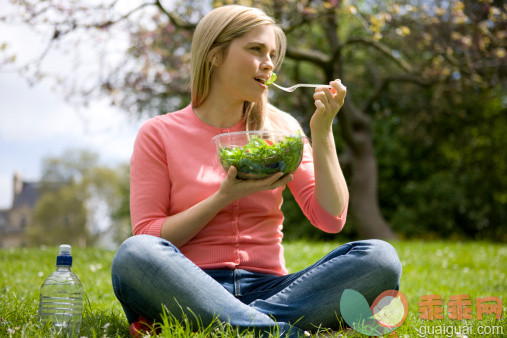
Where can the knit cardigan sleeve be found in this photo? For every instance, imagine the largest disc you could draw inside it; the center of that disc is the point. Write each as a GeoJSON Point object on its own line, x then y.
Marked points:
{"type": "Point", "coordinates": [150, 184]}
{"type": "Point", "coordinates": [303, 189]}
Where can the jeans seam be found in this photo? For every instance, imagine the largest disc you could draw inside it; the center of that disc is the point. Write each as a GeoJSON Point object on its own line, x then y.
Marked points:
{"type": "Point", "coordinates": [283, 284]}
{"type": "Point", "coordinates": [237, 284]}
{"type": "Point", "coordinates": [306, 276]}
{"type": "Point", "coordinates": [315, 266]}
{"type": "Point", "coordinates": [292, 278]}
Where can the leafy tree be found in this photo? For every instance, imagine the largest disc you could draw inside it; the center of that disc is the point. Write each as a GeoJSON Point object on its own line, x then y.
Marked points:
{"type": "Point", "coordinates": [121, 227]}
{"type": "Point", "coordinates": [78, 198]}
{"type": "Point", "coordinates": [441, 146]}
{"type": "Point", "coordinates": [59, 217]}
{"type": "Point", "coordinates": [459, 189]}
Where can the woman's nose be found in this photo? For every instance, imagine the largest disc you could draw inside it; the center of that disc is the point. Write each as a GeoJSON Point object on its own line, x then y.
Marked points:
{"type": "Point", "coordinates": [267, 63]}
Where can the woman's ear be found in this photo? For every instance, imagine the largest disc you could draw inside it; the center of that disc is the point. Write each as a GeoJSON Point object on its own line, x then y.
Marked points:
{"type": "Point", "coordinates": [215, 61]}
{"type": "Point", "coordinates": [215, 57]}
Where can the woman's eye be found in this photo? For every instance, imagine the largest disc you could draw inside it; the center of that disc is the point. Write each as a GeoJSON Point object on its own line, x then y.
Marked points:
{"type": "Point", "coordinates": [257, 49]}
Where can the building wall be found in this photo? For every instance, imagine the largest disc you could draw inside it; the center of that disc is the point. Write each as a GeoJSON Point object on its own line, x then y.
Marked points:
{"type": "Point", "coordinates": [14, 221]}
{"type": "Point", "coordinates": [14, 240]}
{"type": "Point", "coordinates": [19, 218]}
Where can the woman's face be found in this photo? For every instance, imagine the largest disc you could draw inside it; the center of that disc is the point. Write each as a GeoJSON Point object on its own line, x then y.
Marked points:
{"type": "Point", "coordinates": [247, 65]}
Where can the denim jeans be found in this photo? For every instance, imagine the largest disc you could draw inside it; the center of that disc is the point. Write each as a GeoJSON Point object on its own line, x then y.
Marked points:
{"type": "Point", "coordinates": [149, 272]}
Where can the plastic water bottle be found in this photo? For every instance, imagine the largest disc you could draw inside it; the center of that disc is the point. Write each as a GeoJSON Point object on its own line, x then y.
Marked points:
{"type": "Point", "coordinates": [61, 297]}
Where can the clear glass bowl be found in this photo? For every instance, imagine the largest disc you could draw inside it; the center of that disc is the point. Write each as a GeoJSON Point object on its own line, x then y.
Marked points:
{"type": "Point", "coordinates": [259, 154]}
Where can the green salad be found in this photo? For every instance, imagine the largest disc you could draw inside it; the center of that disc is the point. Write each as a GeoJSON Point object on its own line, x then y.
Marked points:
{"type": "Point", "coordinates": [261, 158]}
{"type": "Point", "coordinates": [271, 79]}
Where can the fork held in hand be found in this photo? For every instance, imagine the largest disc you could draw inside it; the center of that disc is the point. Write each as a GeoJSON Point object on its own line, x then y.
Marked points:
{"type": "Point", "coordinates": [293, 88]}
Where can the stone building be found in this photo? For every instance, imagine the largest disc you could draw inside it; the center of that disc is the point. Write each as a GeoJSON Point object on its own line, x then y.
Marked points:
{"type": "Point", "coordinates": [13, 221]}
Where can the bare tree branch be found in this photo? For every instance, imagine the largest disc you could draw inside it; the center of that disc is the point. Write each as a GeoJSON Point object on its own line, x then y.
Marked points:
{"type": "Point", "coordinates": [322, 60]}
{"type": "Point", "coordinates": [109, 23]}
{"type": "Point", "coordinates": [177, 21]}
{"type": "Point", "coordinates": [382, 85]}
{"type": "Point", "coordinates": [291, 28]}
{"type": "Point", "coordinates": [382, 48]}
{"type": "Point", "coordinates": [318, 58]}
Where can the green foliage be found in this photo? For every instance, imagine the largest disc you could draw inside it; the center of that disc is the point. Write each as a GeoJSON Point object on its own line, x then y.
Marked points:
{"type": "Point", "coordinates": [120, 215]}
{"type": "Point", "coordinates": [60, 216]}
{"type": "Point", "coordinates": [77, 195]}
{"type": "Point", "coordinates": [72, 165]}
{"type": "Point", "coordinates": [441, 167]}
{"type": "Point", "coordinates": [443, 268]}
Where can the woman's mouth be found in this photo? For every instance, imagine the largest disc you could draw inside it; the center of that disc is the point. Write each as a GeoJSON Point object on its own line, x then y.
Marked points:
{"type": "Point", "coordinates": [261, 82]}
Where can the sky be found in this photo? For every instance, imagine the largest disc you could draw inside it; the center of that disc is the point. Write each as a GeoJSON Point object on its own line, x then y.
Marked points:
{"type": "Point", "coordinates": [37, 122]}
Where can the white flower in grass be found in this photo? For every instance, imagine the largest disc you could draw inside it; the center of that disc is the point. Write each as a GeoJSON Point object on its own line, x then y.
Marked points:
{"type": "Point", "coordinates": [95, 267]}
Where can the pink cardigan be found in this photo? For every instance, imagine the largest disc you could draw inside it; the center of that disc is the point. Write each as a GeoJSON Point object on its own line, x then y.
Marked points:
{"type": "Point", "coordinates": [174, 165]}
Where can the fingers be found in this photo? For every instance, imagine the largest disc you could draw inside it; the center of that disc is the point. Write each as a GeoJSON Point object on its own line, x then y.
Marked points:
{"type": "Point", "coordinates": [272, 182]}
{"type": "Point", "coordinates": [322, 98]}
{"type": "Point", "coordinates": [273, 178]}
{"type": "Point", "coordinates": [319, 105]}
{"type": "Point", "coordinates": [323, 94]}
{"type": "Point", "coordinates": [341, 90]}
{"type": "Point", "coordinates": [334, 90]}
{"type": "Point", "coordinates": [231, 173]}
{"type": "Point", "coordinates": [234, 188]}
{"type": "Point", "coordinates": [330, 98]}
{"type": "Point", "coordinates": [285, 180]}
{"type": "Point", "coordinates": [281, 181]}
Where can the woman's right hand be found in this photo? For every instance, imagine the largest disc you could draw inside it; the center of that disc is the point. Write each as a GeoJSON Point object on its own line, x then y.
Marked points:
{"type": "Point", "coordinates": [233, 188]}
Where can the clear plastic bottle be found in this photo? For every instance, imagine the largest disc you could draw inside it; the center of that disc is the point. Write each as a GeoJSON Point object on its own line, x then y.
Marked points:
{"type": "Point", "coordinates": [61, 297]}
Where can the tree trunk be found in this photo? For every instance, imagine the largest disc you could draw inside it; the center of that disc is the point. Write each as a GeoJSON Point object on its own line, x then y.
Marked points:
{"type": "Point", "coordinates": [363, 203]}
{"type": "Point", "coordinates": [356, 130]}
{"type": "Point", "coordinates": [363, 185]}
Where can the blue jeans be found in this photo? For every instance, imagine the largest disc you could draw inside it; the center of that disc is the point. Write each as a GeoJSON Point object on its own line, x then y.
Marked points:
{"type": "Point", "coordinates": [149, 272]}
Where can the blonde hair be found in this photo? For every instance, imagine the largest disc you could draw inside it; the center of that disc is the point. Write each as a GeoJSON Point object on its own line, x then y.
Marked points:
{"type": "Point", "coordinates": [210, 42]}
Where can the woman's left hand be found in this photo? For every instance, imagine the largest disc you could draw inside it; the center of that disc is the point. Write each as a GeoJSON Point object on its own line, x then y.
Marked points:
{"type": "Point", "coordinates": [328, 102]}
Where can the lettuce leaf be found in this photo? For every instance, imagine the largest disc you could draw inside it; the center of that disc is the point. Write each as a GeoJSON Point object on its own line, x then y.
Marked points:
{"type": "Point", "coordinates": [271, 79]}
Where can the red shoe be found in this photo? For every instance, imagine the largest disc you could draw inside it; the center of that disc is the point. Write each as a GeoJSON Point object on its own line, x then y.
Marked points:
{"type": "Point", "coordinates": [142, 327]}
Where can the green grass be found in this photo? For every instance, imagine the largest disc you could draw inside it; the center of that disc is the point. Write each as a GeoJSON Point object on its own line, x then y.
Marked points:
{"type": "Point", "coordinates": [444, 268]}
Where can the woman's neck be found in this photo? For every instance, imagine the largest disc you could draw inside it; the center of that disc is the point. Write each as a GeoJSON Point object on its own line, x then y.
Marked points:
{"type": "Point", "coordinates": [220, 113]}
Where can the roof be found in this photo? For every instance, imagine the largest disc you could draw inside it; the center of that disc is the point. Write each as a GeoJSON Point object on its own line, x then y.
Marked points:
{"type": "Point", "coordinates": [28, 196]}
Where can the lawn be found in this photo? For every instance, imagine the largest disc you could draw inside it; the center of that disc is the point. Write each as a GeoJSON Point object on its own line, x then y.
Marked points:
{"type": "Point", "coordinates": [429, 268]}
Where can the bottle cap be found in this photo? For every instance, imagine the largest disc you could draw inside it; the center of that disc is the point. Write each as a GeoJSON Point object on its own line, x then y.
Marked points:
{"type": "Point", "coordinates": [64, 255]}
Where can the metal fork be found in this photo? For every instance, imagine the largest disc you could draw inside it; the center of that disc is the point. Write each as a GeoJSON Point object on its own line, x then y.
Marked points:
{"type": "Point", "coordinates": [293, 88]}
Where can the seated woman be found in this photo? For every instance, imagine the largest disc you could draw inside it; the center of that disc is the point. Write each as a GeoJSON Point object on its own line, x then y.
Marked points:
{"type": "Point", "coordinates": [208, 244]}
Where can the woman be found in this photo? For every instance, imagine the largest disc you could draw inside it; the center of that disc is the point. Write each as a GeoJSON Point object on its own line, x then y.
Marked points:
{"type": "Point", "coordinates": [209, 244]}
